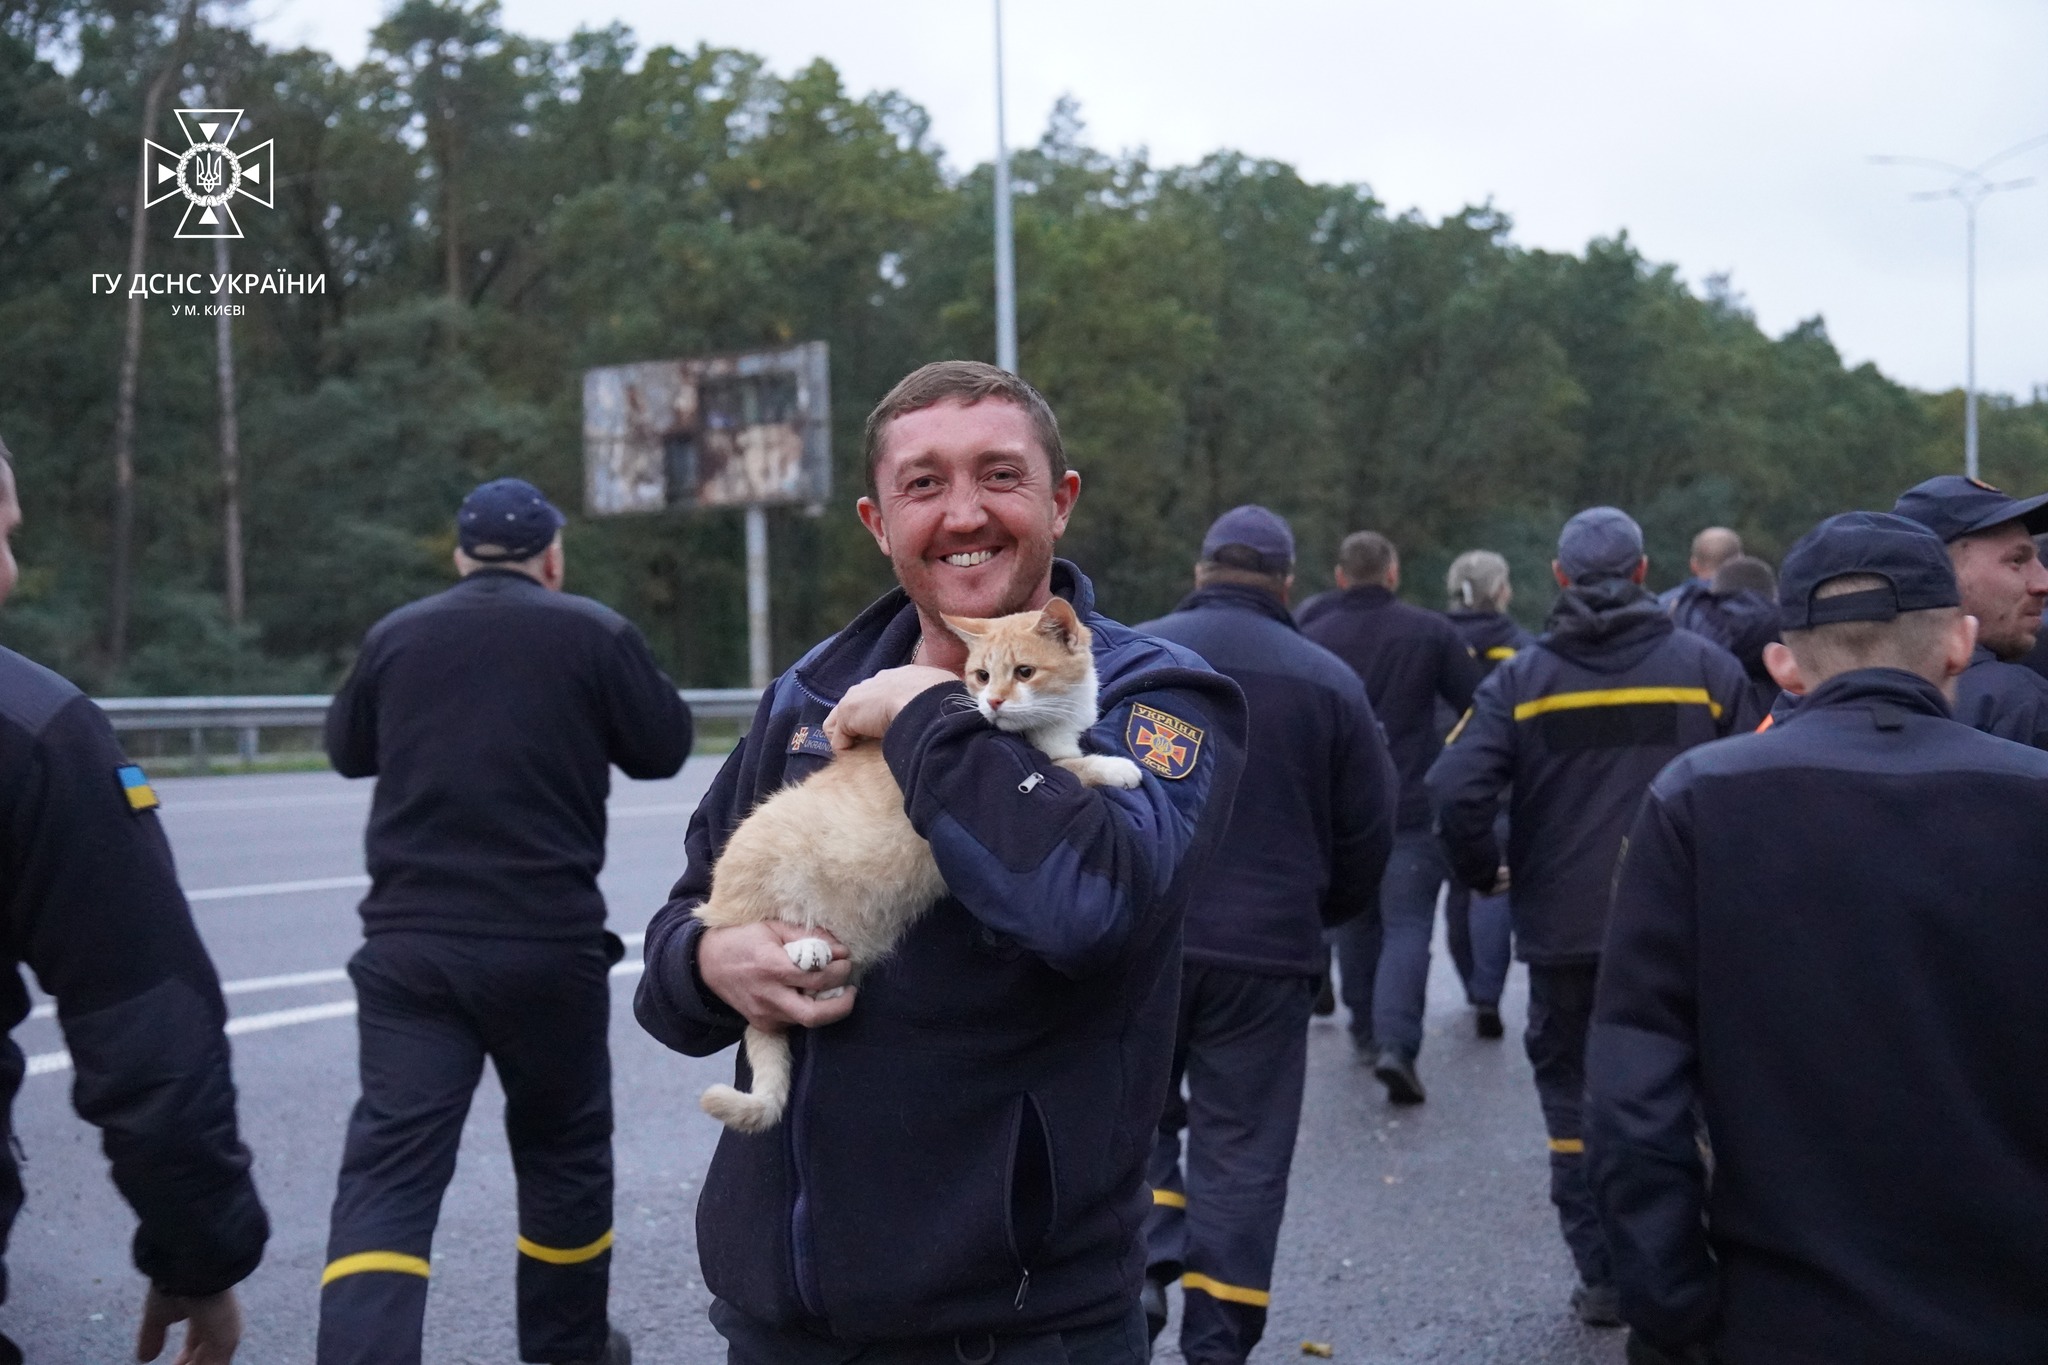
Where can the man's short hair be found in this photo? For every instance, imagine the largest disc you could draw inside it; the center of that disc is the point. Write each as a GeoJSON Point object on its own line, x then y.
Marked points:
{"type": "Point", "coordinates": [1745, 573]}
{"type": "Point", "coordinates": [1714, 547]}
{"type": "Point", "coordinates": [1910, 641]}
{"type": "Point", "coordinates": [1366, 556]}
{"type": "Point", "coordinates": [1222, 569]}
{"type": "Point", "coordinates": [966, 382]}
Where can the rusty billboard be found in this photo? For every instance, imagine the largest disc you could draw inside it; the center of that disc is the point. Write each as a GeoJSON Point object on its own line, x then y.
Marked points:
{"type": "Point", "coordinates": [750, 429]}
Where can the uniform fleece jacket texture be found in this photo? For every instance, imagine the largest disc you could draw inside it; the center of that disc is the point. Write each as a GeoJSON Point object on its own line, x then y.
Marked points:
{"type": "Point", "coordinates": [965, 1151]}
{"type": "Point", "coordinates": [491, 715]}
{"type": "Point", "coordinates": [1314, 820]}
{"type": "Point", "coordinates": [1827, 947]}
{"type": "Point", "coordinates": [92, 907]}
{"type": "Point", "coordinates": [1577, 725]}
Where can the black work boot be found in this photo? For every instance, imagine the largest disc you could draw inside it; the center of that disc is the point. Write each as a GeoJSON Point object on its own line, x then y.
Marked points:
{"type": "Point", "coordinates": [1597, 1305]}
{"type": "Point", "coordinates": [1397, 1074]}
{"type": "Point", "coordinates": [618, 1350]}
{"type": "Point", "coordinates": [1486, 1020]}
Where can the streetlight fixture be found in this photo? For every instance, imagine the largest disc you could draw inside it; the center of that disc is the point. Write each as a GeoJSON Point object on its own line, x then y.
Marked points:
{"type": "Point", "coordinates": [1970, 188]}
{"type": "Point", "coordinates": [1006, 258]}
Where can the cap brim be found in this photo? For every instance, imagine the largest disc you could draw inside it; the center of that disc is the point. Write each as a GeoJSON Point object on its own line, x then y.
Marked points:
{"type": "Point", "coordinates": [2031, 513]}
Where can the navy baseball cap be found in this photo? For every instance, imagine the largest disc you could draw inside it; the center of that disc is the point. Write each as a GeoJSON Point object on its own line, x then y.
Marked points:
{"type": "Point", "coordinates": [1953, 506]}
{"type": "Point", "coordinates": [1909, 557]}
{"type": "Point", "coordinates": [1266, 534]}
{"type": "Point", "coordinates": [506, 519]}
{"type": "Point", "coordinates": [1600, 542]}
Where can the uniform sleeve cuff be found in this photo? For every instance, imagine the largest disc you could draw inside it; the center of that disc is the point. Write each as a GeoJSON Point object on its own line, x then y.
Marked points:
{"type": "Point", "coordinates": [906, 733]}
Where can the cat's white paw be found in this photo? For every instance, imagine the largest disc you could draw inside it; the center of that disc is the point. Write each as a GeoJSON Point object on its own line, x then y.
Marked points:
{"type": "Point", "coordinates": [809, 954]}
{"type": "Point", "coordinates": [1101, 770]}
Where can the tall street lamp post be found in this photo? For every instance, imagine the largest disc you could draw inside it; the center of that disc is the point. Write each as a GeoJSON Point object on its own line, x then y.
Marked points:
{"type": "Point", "coordinates": [1006, 259]}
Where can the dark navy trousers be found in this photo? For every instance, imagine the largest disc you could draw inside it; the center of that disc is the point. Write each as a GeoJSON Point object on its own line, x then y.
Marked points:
{"type": "Point", "coordinates": [1481, 936]}
{"type": "Point", "coordinates": [431, 1008]}
{"type": "Point", "coordinates": [756, 1343]}
{"type": "Point", "coordinates": [1560, 1013]}
{"type": "Point", "coordinates": [1408, 891]}
{"type": "Point", "coordinates": [1242, 1049]}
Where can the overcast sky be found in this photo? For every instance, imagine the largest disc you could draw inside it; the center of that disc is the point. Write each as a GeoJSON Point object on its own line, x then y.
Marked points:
{"type": "Point", "coordinates": [1728, 136]}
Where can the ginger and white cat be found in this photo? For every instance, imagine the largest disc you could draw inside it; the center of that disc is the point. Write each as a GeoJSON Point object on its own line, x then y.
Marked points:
{"type": "Point", "coordinates": [838, 853]}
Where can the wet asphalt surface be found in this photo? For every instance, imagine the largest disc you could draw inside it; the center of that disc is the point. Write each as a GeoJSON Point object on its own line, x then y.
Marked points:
{"type": "Point", "coordinates": [1412, 1235]}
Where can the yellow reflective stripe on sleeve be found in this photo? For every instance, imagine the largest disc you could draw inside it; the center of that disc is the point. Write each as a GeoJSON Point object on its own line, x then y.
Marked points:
{"type": "Point", "coordinates": [1173, 1199]}
{"type": "Point", "coordinates": [397, 1262]}
{"type": "Point", "coordinates": [1458, 729]}
{"type": "Point", "coordinates": [1499, 652]}
{"type": "Point", "coordinates": [1229, 1293]}
{"type": "Point", "coordinates": [573, 1256]}
{"type": "Point", "coordinates": [1620, 696]}
{"type": "Point", "coordinates": [1568, 1146]}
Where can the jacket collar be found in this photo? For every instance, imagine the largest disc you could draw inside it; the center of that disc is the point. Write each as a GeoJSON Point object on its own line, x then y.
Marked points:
{"type": "Point", "coordinates": [1613, 613]}
{"type": "Point", "coordinates": [883, 635]}
{"type": "Point", "coordinates": [1239, 597]}
{"type": "Point", "coordinates": [1365, 596]}
{"type": "Point", "coordinates": [1866, 687]}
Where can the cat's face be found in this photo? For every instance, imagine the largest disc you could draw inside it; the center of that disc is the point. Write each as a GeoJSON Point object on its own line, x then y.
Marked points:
{"type": "Point", "coordinates": [1029, 670]}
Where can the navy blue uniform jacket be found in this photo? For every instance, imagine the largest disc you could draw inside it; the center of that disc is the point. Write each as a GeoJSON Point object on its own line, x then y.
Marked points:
{"type": "Point", "coordinates": [1314, 819]}
{"type": "Point", "coordinates": [1410, 660]}
{"type": "Point", "coordinates": [1827, 940]}
{"type": "Point", "coordinates": [1578, 724]}
{"type": "Point", "coordinates": [1491, 638]}
{"type": "Point", "coordinates": [490, 715]}
{"type": "Point", "coordinates": [965, 1151]}
{"type": "Point", "coordinates": [2007, 700]}
{"type": "Point", "coordinates": [92, 906]}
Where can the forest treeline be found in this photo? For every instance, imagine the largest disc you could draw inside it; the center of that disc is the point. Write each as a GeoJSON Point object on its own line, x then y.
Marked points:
{"type": "Point", "coordinates": [493, 213]}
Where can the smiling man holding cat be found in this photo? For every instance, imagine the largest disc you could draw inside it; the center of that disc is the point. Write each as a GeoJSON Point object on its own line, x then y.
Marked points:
{"type": "Point", "coordinates": [961, 1174]}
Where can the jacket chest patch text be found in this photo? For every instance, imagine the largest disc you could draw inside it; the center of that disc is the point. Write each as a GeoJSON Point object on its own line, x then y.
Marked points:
{"type": "Point", "coordinates": [1163, 744]}
{"type": "Point", "coordinates": [810, 739]}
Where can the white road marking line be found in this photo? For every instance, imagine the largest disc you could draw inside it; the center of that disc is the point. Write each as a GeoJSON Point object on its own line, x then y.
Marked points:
{"type": "Point", "coordinates": [46, 1063]}
{"type": "Point", "coordinates": [230, 893]}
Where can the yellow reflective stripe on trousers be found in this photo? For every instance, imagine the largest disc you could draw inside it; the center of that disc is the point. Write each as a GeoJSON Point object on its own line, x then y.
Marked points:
{"type": "Point", "coordinates": [1229, 1293]}
{"type": "Point", "coordinates": [1173, 1199]}
{"type": "Point", "coordinates": [397, 1262]}
{"type": "Point", "coordinates": [1499, 653]}
{"type": "Point", "coordinates": [1620, 696]}
{"type": "Point", "coordinates": [558, 1256]}
{"type": "Point", "coordinates": [1568, 1146]}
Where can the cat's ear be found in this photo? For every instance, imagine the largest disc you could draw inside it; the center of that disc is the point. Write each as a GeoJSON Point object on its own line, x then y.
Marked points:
{"type": "Point", "coordinates": [1057, 620]}
{"type": "Point", "coordinates": [968, 628]}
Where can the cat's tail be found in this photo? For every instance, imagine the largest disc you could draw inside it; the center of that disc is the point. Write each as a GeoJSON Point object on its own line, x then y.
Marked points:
{"type": "Point", "coordinates": [761, 1109]}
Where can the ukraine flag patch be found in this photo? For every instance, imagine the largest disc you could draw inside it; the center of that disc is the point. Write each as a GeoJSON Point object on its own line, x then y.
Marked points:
{"type": "Point", "coordinates": [135, 786]}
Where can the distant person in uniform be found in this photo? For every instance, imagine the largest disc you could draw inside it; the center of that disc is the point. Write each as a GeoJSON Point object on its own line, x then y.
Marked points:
{"type": "Point", "coordinates": [2004, 585]}
{"type": "Point", "coordinates": [1740, 614]}
{"type": "Point", "coordinates": [1571, 731]}
{"type": "Point", "coordinates": [960, 1175]}
{"type": "Point", "coordinates": [94, 910]}
{"type": "Point", "coordinates": [491, 716]}
{"type": "Point", "coordinates": [1410, 659]}
{"type": "Point", "coordinates": [1816, 1123]}
{"type": "Point", "coordinates": [1711, 549]}
{"type": "Point", "coordinates": [1477, 927]}
{"type": "Point", "coordinates": [1305, 850]}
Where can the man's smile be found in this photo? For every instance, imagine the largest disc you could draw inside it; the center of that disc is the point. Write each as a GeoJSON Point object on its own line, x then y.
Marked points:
{"type": "Point", "coordinates": [967, 559]}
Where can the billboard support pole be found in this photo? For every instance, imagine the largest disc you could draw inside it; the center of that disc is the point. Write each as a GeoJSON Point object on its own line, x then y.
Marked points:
{"type": "Point", "coordinates": [757, 595]}
{"type": "Point", "coordinates": [1006, 257]}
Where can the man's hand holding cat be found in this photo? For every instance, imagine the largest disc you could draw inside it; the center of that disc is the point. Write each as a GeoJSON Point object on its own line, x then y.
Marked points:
{"type": "Point", "coordinates": [868, 707]}
{"type": "Point", "coordinates": [748, 967]}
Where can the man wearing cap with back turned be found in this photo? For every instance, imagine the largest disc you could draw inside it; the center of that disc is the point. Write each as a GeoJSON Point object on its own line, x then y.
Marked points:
{"type": "Point", "coordinates": [1306, 846]}
{"type": "Point", "coordinates": [2003, 584]}
{"type": "Point", "coordinates": [1577, 725]}
{"type": "Point", "coordinates": [1822, 986]}
{"type": "Point", "coordinates": [491, 715]}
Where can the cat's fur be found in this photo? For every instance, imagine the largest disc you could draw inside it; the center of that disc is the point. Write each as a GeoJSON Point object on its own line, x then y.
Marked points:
{"type": "Point", "coordinates": [838, 853]}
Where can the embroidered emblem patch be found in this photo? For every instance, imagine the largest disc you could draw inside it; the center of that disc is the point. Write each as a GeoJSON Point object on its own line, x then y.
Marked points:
{"type": "Point", "coordinates": [1164, 744]}
{"type": "Point", "coordinates": [810, 739]}
{"type": "Point", "coordinates": [135, 786]}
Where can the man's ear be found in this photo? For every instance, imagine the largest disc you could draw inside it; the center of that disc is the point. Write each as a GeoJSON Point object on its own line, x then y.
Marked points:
{"type": "Point", "coordinates": [1642, 570]}
{"type": "Point", "coordinates": [871, 517]}
{"type": "Point", "coordinates": [1784, 668]}
{"type": "Point", "coordinates": [1341, 579]}
{"type": "Point", "coordinates": [1557, 572]}
{"type": "Point", "coordinates": [1958, 645]}
{"type": "Point", "coordinates": [1057, 619]}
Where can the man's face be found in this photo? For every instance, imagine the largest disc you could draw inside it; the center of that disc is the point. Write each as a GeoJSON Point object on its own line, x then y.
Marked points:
{"type": "Point", "coordinates": [967, 510]}
{"type": "Point", "coordinates": [2003, 585]}
{"type": "Point", "coordinates": [10, 517]}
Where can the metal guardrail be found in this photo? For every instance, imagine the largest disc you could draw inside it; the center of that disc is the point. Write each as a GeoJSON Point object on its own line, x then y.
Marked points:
{"type": "Point", "coordinates": [249, 716]}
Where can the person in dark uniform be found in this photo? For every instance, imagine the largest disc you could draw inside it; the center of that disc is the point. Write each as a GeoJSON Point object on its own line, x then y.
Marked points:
{"type": "Point", "coordinates": [1305, 850]}
{"type": "Point", "coordinates": [491, 715]}
{"type": "Point", "coordinates": [1477, 927]}
{"type": "Point", "coordinates": [94, 910]}
{"type": "Point", "coordinates": [1410, 660]}
{"type": "Point", "coordinates": [2004, 585]}
{"type": "Point", "coordinates": [1740, 614]}
{"type": "Point", "coordinates": [1572, 730]}
{"type": "Point", "coordinates": [1711, 548]}
{"type": "Point", "coordinates": [2037, 657]}
{"type": "Point", "coordinates": [1815, 1124]}
{"type": "Point", "coordinates": [960, 1175]}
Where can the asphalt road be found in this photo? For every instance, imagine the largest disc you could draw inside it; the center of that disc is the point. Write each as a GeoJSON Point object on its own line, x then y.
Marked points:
{"type": "Point", "coordinates": [1412, 1235]}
